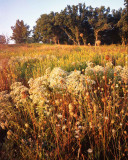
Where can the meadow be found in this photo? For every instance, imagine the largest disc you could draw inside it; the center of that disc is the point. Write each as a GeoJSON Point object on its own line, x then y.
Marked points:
{"type": "Point", "coordinates": [60, 102]}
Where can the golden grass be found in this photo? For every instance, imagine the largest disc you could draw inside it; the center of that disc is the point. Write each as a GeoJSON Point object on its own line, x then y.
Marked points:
{"type": "Point", "coordinates": [88, 125]}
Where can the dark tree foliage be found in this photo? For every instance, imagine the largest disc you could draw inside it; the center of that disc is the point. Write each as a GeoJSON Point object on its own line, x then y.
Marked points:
{"type": "Point", "coordinates": [74, 23]}
{"type": "Point", "coordinates": [2, 39]}
{"type": "Point", "coordinates": [123, 26]}
{"type": "Point", "coordinates": [126, 4]}
{"type": "Point", "coordinates": [98, 18]}
{"type": "Point", "coordinates": [47, 30]}
{"type": "Point", "coordinates": [20, 32]}
{"type": "Point", "coordinates": [79, 24]}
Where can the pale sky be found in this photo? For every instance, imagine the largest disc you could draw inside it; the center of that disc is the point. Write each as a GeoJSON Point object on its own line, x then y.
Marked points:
{"type": "Point", "coordinates": [30, 10]}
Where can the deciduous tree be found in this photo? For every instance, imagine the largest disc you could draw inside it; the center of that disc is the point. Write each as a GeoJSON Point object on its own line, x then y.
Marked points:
{"type": "Point", "coordinates": [2, 39]}
{"type": "Point", "coordinates": [46, 30]}
{"type": "Point", "coordinates": [123, 26]}
{"type": "Point", "coordinates": [20, 32]}
{"type": "Point", "coordinates": [98, 19]}
{"type": "Point", "coordinates": [73, 21]}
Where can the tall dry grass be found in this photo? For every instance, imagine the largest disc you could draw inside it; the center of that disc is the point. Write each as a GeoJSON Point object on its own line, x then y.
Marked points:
{"type": "Point", "coordinates": [71, 118]}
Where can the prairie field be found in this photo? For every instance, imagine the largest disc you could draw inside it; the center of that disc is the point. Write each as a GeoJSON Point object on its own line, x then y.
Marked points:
{"type": "Point", "coordinates": [63, 102]}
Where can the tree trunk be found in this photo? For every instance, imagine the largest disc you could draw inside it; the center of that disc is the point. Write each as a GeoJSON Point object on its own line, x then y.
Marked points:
{"type": "Point", "coordinates": [69, 36]}
{"type": "Point", "coordinates": [84, 41]}
{"type": "Point", "coordinates": [123, 41]}
{"type": "Point", "coordinates": [77, 35]}
{"type": "Point", "coordinates": [58, 41]}
{"type": "Point", "coordinates": [96, 35]}
{"type": "Point", "coordinates": [55, 41]}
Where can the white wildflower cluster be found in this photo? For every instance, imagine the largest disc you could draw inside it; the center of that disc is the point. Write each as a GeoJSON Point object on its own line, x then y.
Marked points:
{"type": "Point", "coordinates": [4, 103]}
{"type": "Point", "coordinates": [100, 71]}
{"type": "Point", "coordinates": [109, 65]}
{"type": "Point", "coordinates": [124, 74]}
{"type": "Point", "coordinates": [4, 97]}
{"type": "Point", "coordinates": [3, 119]}
{"type": "Point", "coordinates": [89, 71]}
{"type": "Point", "coordinates": [90, 64]}
{"type": "Point", "coordinates": [98, 68]}
{"type": "Point", "coordinates": [93, 71]}
{"type": "Point", "coordinates": [57, 78]}
{"type": "Point", "coordinates": [118, 69]}
{"type": "Point", "coordinates": [39, 90]}
{"type": "Point", "coordinates": [76, 82]}
{"type": "Point", "coordinates": [18, 92]}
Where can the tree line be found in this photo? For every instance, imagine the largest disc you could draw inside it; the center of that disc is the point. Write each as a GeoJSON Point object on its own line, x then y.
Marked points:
{"type": "Point", "coordinates": [76, 24]}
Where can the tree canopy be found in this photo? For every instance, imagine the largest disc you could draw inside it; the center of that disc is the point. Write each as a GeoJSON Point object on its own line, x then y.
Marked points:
{"type": "Point", "coordinates": [81, 24]}
{"type": "Point", "coordinates": [77, 24]}
{"type": "Point", "coordinates": [46, 29]}
{"type": "Point", "coordinates": [4, 39]}
{"type": "Point", "coordinates": [20, 32]}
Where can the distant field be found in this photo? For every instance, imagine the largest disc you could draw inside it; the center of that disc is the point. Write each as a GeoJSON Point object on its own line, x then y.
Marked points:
{"type": "Point", "coordinates": [27, 61]}
{"type": "Point", "coordinates": [63, 102]}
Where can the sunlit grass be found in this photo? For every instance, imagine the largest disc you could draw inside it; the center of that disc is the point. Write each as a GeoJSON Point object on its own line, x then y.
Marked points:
{"type": "Point", "coordinates": [61, 113]}
{"type": "Point", "coordinates": [33, 60]}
